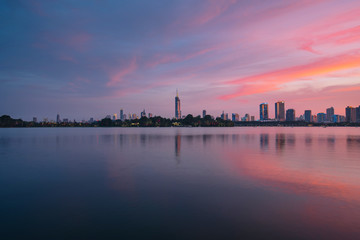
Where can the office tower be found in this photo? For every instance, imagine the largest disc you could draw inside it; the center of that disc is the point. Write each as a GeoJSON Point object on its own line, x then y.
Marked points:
{"type": "Point", "coordinates": [252, 118]}
{"type": "Point", "coordinates": [226, 116]}
{"type": "Point", "coordinates": [91, 120]}
{"type": "Point", "coordinates": [335, 118]}
{"type": "Point", "coordinates": [223, 116]}
{"type": "Point", "coordinates": [235, 117]}
{"type": "Point", "coordinates": [177, 106]}
{"type": "Point", "coordinates": [121, 114]}
{"type": "Point", "coordinates": [290, 115]}
{"type": "Point", "coordinates": [34, 119]}
{"type": "Point", "coordinates": [150, 115]}
{"type": "Point", "coordinates": [329, 114]}
{"type": "Point", "coordinates": [247, 117]}
{"type": "Point", "coordinates": [264, 111]}
{"type": "Point", "coordinates": [114, 117]}
{"type": "Point", "coordinates": [134, 116]}
{"type": "Point", "coordinates": [66, 120]}
{"type": "Point", "coordinates": [280, 111]}
{"type": "Point", "coordinates": [143, 113]}
{"type": "Point", "coordinates": [204, 113]}
{"type": "Point", "coordinates": [313, 118]}
{"type": "Point", "coordinates": [124, 117]}
{"type": "Point", "coordinates": [58, 118]}
{"type": "Point", "coordinates": [321, 117]}
{"type": "Point", "coordinates": [358, 114]}
{"type": "Point", "coordinates": [350, 114]}
{"type": "Point", "coordinates": [307, 116]}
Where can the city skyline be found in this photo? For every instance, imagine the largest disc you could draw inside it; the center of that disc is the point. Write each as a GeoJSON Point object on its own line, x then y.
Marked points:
{"type": "Point", "coordinates": [84, 59]}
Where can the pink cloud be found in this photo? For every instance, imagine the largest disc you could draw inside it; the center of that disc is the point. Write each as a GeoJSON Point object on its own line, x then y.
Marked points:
{"type": "Point", "coordinates": [119, 75]}
{"type": "Point", "coordinates": [271, 81]}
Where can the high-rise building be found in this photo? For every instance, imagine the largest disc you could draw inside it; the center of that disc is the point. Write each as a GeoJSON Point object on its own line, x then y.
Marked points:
{"type": "Point", "coordinates": [307, 116]}
{"type": "Point", "coordinates": [121, 114]}
{"type": "Point", "coordinates": [58, 118]}
{"type": "Point", "coordinates": [143, 113]}
{"type": "Point", "coordinates": [150, 115]}
{"type": "Point", "coordinates": [321, 117]}
{"type": "Point", "coordinates": [290, 115]}
{"type": "Point", "coordinates": [329, 114]}
{"type": "Point", "coordinates": [280, 111]}
{"type": "Point", "coordinates": [246, 118]}
{"type": "Point", "coordinates": [358, 114]}
{"type": "Point", "coordinates": [222, 116]}
{"type": "Point", "coordinates": [177, 106]}
{"type": "Point", "coordinates": [235, 117]}
{"type": "Point", "coordinates": [252, 118]}
{"type": "Point", "coordinates": [264, 111]}
{"type": "Point", "coordinates": [114, 116]}
{"type": "Point", "coordinates": [350, 114]}
{"type": "Point", "coordinates": [204, 113]}
{"type": "Point", "coordinates": [34, 119]}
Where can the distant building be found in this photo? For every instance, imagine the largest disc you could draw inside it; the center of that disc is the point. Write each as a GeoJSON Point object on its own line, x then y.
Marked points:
{"type": "Point", "coordinates": [115, 116]}
{"type": "Point", "coordinates": [235, 117]}
{"type": "Point", "coordinates": [90, 121]}
{"type": "Point", "coordinates": [307, 116]}
{"type": "Point", "coordinates": [108, 116]}
{"type": "Point", "coordinates": [45, 120]}
{"type": "Point", "coordinates": [143, 113]}
{"type": "Point", "coordinates": [124, 117]}
{"type": "Point", "coordinates": [350, 114]}
{"type": "Point", "coordinates": [290, 115]}
{"type": "Point", "coordinates": [264, 111]}
{"type": "Point", "coordinates": [246, 118]}
{"type": "Point", "coordinates": [134, 116]}
{"type": "Point", "coordinates": [280, 111]}
{"type": "Point", "coordinates": [222, 116]}
{"type": "Point", "coordinates": [121, 114]}
{"type": "Point", "coordinates": [358, 114]}
{"type": "Point", "coordinates": [34, 119]}
{"type": "Point", "coordinates": [329, 114]}
{"type": "Point", "coordinates": [313, 118]}
{"type": "Point", "coordinates": [204, 113]}
{"type": "Point", "coordinates": [321, 117]}
{"type": "Point", "coordinates": [336, 118]}
{"type": "Point", "coordinates": [177, 106]}
{"type": "Point", "coordinates": [252, 118]}
{"type": "Point", "coordinates": [66, 120]}
{"type": "Point", "coordinates": [150, 115]}
{"type": "Point", "coordinates": [58, 118]}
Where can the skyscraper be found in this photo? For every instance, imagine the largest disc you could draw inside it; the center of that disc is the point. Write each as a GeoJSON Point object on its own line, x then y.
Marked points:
{"type": "Point", "coordinates": [235, 117]}
{"type": "Point", "coordinates": [143, 114]}
{"type": "Point", "coordinates": [58, 118]}
{"type": "Point", "coordinates": [358, 114]}
{"type": "Point", "coordinates": [280, 111]}
{"type": "Point", "coordinates": [350, 114]}
{"type": "Point", "coordinates": [204, 113]}
{"type": "Point", "coordinates": [121, 114]}
{"type": "Point", "coordinates": [307, 115]}
{"type": "Point", "coordinates": [321, 117]}
{"type": "Point", "coordinates": [177, 106]}
{"type": "Point", "coordinates": [329, 114]}
{"type": "Point", "coordinates": [290, 115]}
{"type": "Point", "coordinates": [264, 111]}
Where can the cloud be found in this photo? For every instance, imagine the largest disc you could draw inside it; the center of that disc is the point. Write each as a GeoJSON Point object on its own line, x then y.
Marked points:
{"type": "Point", "coordinates": [118, 76]}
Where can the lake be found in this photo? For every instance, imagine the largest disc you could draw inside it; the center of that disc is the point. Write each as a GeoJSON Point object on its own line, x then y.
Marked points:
{"type": "Point", "coordinates": [180, 183]}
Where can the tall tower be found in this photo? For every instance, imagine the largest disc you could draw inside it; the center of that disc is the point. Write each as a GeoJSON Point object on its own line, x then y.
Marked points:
{"type": "Point", "coordinates": [280, 111]}
{"type": "Point", "coordinates": [264, 111]}
{"type": "Point", "coordinates": [177, 106]}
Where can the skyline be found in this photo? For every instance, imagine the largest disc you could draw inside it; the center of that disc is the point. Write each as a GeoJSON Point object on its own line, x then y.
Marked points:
{"type": "Point", "coordinates": [88, 58]}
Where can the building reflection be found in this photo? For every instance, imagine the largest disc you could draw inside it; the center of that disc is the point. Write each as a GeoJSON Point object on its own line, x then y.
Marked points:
{"type": "Point", "coordinates": [264, 141]}
{"type": "Point", "coordinates": [280, 141]}
{"type": "Point", "coordinates": [177, 147]}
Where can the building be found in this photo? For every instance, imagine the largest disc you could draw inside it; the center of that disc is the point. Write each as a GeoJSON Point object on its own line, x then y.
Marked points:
{"type": "Point", "coordinates": [246, 118]}
{"type": "Point", "coordinates": [321, 117]}
{"type": "Point", "coordinates": [252, 118]}
{"type": "Point", "coordinates": [143, 114]}
{"type": "Point", "coordinates": [313, 118]}
{"type": "Point", "coordinates": [134, 116]}
{"type": "Point", "coordinates": [358, 114]}
{"type": "Point", "coordinates": [307, 116]}
{"type": "Point", "coordinates": [177, 106]}
{"type": "Point", "coordinates": [66, 120]}
{"type": "Point", "coordinates": [235, 117]}
{"type": "Point", "coordinates": [90, 121]}
{"type": "Point", "coordinates": [290, 115]}
{"type": "Point", "coordinates": [264, 111]}
{"type": "Point", "coordinates": [350, 114]}
{"type": "Point", "coordinates": [204, 113]}
{"type": "Point", "coordinates": [121, 114]}
{"type": "Point", "coordinates": [329, 114]}
{"type": "Point", "coordinates": [58, 118]}
{"type": "Point", "coordinates": [150, 115]}
{"type": "Point", "coordinates": [34, 119]}
{"type": "Point", "coordinates": [280, 111]}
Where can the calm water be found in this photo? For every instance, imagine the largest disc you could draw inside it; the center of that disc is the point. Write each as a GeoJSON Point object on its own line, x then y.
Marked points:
{"type": "Point", "coordinates": [180, 183]}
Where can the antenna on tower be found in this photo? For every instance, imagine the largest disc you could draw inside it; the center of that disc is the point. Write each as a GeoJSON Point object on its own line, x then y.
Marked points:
{"type": "Point", "coordinates": [177, 93]}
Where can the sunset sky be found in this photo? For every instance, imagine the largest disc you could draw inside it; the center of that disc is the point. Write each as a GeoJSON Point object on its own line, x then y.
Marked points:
{"type": "Point", "coordinates": [85, 59]}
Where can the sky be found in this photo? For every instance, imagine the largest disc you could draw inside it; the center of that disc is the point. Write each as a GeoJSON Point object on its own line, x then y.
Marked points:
{"type": "Point", "coordinates": [91, 58]}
